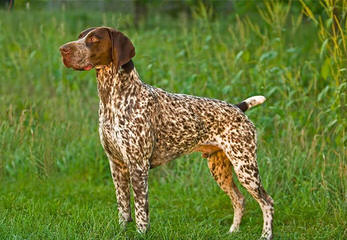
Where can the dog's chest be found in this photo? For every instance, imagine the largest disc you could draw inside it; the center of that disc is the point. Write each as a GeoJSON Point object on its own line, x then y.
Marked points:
{"type": "Point", "coordinates": [125, 112]}
{"type": "Point", "coordinates": [109, 131]}
{"type": "Point", "coordinates": [112, 115]}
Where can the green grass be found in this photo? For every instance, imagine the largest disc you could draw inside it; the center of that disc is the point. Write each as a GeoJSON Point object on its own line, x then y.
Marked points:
{"type": "Point", "coordinates": [54, 177]}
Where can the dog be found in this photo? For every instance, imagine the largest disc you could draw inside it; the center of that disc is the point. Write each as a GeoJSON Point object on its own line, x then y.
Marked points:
{"type": "Point", "coordinates": [142, 127]}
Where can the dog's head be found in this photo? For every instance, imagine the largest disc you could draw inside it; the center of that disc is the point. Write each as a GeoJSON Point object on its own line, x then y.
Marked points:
{"type": "Point", "coordinates": [96, 47]}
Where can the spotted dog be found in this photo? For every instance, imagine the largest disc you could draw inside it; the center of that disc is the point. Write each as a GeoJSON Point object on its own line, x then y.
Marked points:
{"type": "Point", "coordinates": [142, 127]}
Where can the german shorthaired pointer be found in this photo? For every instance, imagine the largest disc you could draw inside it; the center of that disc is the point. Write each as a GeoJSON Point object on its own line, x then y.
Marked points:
{"type": "Point", "coordinates": [142, 127]}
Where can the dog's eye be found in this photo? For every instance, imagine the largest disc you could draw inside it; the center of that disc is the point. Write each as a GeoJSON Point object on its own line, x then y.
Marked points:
{"type": "Point", "coordinates": [93, 39]}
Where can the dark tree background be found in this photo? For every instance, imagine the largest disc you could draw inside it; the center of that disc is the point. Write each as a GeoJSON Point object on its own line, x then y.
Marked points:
{"type": "Point", "coordinates": [142, 9]}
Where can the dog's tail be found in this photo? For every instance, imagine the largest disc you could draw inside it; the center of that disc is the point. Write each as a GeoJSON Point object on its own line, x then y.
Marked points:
{"type": "Point", "coordinates": [250, 102]}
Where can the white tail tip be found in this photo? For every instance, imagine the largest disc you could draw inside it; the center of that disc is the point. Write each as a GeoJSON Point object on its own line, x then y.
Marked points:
{"type": "Point", "coordinates": [255, 100]}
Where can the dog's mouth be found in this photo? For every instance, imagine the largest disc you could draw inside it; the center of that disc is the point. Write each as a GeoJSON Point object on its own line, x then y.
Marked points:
{"type": "Point", "coordinates": [79, 67]}
{"type": "Point", "coordinates": [86, 68]}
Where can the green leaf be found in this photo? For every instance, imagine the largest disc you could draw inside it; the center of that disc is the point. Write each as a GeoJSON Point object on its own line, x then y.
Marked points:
{"type": "Point", "coordinates": [325, 68]}
{"type": "Point", "coordinates": [268, 55]}
{"type": "Point", "coordinates": [322, 93]}
{"type": "Point", "coordinates": [238, 56]}
{"type": "Point", "coordinates": [322, 49]}
{"type": "Point", "coordinates": [246, 56]}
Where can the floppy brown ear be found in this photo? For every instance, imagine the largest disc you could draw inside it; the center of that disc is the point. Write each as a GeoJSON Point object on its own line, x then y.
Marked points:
{"type": "Point", "coordinates": [85, 32]}
{"type": "Point", "coordinates": [122, 48]}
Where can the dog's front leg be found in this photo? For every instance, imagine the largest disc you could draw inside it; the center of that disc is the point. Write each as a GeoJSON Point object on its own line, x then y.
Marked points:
{"type": "Point", "coordinates": [139, 182]}
{"type": "Point", "coordinates": [121, 180]}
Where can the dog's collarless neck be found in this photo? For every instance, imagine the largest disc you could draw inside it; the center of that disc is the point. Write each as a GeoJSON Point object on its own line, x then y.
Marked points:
{"type": "Point", "coordinates": [110, 68]}
{"type": "Point", "coordinates": [112, 85]}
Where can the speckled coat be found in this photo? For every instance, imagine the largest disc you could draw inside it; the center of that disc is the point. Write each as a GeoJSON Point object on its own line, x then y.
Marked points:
{"type": "Point", "coordinates": [142, 127]}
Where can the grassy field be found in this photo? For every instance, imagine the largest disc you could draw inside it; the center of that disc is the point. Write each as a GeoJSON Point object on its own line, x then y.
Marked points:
{"type": "Point", "coordinates": [55, 181]}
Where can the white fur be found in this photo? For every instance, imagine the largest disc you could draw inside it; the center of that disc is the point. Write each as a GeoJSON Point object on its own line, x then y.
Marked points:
{"type": "Point", "coordinates": [254, 101]}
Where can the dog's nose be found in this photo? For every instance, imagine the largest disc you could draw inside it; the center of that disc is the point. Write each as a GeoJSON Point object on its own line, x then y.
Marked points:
{"type": "Point", "coordinates": [65, 49]}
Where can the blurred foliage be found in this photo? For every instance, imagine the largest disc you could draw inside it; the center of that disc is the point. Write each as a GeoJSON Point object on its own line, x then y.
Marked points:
{"type": "Point", "coordinates": [175, 7]}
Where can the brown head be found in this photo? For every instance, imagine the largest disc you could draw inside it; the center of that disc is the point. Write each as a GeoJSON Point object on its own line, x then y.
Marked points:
{"type": "Point", "coordinates": [97, 47]}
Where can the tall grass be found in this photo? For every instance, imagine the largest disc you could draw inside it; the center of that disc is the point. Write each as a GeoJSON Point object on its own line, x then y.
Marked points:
{"type": "Point", "coordinates": [48, 114]}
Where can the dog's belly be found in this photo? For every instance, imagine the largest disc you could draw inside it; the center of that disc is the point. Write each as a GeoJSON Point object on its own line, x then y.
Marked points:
{"type": "Point", "coordinates": [160, 156]}
{"type": "Point", "coordinates": [176, 137]}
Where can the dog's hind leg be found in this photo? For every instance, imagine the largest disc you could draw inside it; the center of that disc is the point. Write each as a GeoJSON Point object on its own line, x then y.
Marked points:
{"type": "Point", "coordinates": [242, 154]}
{"type": "Point", "coordinates": [221, 169]}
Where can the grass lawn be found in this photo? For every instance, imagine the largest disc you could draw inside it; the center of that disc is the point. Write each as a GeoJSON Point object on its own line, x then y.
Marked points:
{"type": "Point", "coordinates": [81, 206]}
{"type": "Point", "coordinates": [54, 177]}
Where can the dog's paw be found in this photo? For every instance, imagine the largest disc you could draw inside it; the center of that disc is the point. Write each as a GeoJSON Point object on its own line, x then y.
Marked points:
{"type": "Point", "coordinates": [266, 236]}
{"type": "Point", "coordinates": [234, 229]}
{"type": "Point", "coordinates": [142, 228]}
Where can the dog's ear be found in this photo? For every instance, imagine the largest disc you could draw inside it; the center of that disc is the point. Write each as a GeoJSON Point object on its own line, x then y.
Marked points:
{"type": "Point", "coordinates": [122, 48]}
{"type": "Point", "coordinates": [85, 32]}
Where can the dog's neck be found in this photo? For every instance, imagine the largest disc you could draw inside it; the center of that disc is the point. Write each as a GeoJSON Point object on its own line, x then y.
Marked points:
{"type": "Point", "coordinates": [112, 84]}
{"type": "Point", "coordinates": [110, 72]}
